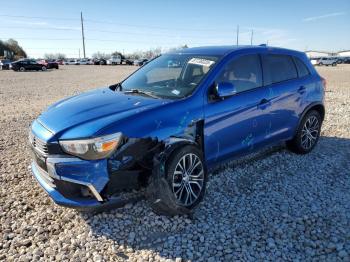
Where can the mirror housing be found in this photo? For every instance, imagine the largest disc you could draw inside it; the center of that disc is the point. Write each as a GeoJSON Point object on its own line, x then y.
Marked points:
{"type": "Point", "coordinates": [225, 89]}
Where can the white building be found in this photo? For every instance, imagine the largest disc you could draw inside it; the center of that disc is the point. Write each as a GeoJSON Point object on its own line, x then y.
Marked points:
{"type": "Point", "coordinates": [312, 54]}
{"type": "Point", "coordinates": [345, 53]}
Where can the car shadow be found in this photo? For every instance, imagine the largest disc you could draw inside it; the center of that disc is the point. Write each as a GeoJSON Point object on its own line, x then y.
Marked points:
{"type": "Point", "coordinates": [236, 222]}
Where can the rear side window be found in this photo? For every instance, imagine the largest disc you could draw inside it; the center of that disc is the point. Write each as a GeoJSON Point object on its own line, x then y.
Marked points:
{"type": "Point", "coordinates": [243, 72]}
{"type": "Point", "coordinates": [278, 68]}
{"type": "Point", "coordinates": [302, 69]}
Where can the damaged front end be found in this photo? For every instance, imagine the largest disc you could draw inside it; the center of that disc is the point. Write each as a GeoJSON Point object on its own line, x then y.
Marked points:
{"type": "Point", "coordinates": [96, 185]}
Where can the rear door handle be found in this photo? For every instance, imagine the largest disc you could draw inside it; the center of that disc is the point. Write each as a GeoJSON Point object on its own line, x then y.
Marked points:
{"type": "Point", "coordinates": [302, 90]}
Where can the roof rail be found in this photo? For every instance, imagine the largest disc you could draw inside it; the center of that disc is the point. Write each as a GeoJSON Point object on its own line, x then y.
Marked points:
{"type": "Point", "coordinates": [262, 45]}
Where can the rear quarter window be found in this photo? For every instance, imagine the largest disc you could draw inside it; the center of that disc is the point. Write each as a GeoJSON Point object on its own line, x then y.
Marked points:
{"type": "Point", "coordinates": [302, 68]}
{"type": "Point", "coordinates": [278, 68]}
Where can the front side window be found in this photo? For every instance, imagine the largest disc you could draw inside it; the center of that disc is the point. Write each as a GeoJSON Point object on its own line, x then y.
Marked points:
{"type": "Point", "coordinates": [171, 76]}
{"type": "Point", "coordinates": [278, 68]}
{"type": "Point", "coordinates": [243, 72]}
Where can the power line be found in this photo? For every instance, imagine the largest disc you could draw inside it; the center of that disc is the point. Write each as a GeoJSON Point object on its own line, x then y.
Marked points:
{"type": "Point", "coordinates": [105, 31]}
{"type": "Point", "coordinates": [111, 23]}
{"type": "Point", "coordinates": [38, 17]}
{"type": "Point", "coordinates": [107, 40]}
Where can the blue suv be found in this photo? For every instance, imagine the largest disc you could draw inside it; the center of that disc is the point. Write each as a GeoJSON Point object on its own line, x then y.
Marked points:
{"type": "Point", "coordinates": [160, 131]}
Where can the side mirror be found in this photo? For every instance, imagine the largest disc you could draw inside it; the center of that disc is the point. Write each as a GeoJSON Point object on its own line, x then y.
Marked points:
{"type": "Point", "coordinates": [225, 89]}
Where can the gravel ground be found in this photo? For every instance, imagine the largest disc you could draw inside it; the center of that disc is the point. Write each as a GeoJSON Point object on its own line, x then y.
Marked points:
{"type": "Point", "coordinates": [273, 205]}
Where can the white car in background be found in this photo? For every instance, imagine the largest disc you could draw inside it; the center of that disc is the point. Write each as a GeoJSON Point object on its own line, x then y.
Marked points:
{"type": "Point", "coordinates": [314, 61]}
{"type": "Point", "coordinates": [114, 60]}
{"type": "Point", "coordinates": [333, 61]}
{"type": "Point", "coordinates": [71, 62]}
{"type": "Point", "coordinates": [85, 61]}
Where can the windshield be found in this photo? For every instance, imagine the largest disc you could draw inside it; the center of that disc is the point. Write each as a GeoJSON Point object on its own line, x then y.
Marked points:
{"type": "Point", "coordinates": [171, 76]}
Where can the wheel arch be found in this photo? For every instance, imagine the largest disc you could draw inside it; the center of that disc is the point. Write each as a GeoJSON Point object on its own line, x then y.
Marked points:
{"type": "Point", "coordinates": [318, 106]}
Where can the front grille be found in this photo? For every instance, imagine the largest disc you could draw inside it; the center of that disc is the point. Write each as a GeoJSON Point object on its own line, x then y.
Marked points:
{"type": "Point", "coordinates": [38, 144]}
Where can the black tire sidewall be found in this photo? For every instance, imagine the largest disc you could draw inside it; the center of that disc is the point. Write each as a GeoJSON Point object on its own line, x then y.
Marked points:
{"type": "Point", "coordinates": [171, 165]}
{"type": "Point", "coordinates": [298, 145]}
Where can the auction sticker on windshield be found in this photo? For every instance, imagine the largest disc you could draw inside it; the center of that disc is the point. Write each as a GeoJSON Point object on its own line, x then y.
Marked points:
{"type": "Point", "coordinates": [201, 61]}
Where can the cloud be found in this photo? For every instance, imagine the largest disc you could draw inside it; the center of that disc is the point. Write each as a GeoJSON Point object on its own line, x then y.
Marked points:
{"type": "Point", "coordinates": [314, 18]}
{"type": "Point", "coordinates": [41, 25]}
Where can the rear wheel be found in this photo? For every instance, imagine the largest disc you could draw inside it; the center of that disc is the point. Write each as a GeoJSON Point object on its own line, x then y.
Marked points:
{"type": "Point", "coordinates": [180, 186]}
{"type": "Point", "coordinates": [43, 68]}
{"type": "Point", "coordinates": [307, 134]}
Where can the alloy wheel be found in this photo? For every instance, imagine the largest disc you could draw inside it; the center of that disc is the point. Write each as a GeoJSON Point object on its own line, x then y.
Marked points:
{"type": "Point", "coordinates": [188, 179]}
{"type": "Point", "coordinates": [310, 132]}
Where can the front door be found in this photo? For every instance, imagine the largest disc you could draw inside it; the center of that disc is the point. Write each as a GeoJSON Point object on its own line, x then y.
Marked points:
{"type": "Point", "coordinates": [237, 124]}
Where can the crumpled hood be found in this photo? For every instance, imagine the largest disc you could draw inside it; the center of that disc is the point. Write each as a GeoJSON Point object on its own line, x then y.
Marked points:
{"type": "Point", "coordinates": [94, 106]}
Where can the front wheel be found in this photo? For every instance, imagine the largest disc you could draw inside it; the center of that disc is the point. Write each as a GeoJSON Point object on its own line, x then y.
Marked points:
{"type": "Point", "coordinates": [43, 68]}
{"type": "Point", "coordinates": [179, 186]}
{"type": "Point", "coordinates": [334, 64]}
{"type": "Point", "coordinates": [22, 69]}
{"type": "Point", "coordinates": [307, 134]}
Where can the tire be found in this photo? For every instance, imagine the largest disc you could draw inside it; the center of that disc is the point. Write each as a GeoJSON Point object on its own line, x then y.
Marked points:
{"type": "Point", "coordinates": [43, 68]}
{"type": "Point", "coordinates": [334, 64]}
{"type": "Point", "coordinates": [320, 64]}
{"type": "Point", "coordinates": [170, 191]}
{"type": "Point", "coordinates": [22, 69]}
{"type": "Point", "coordinates": [305, 140]}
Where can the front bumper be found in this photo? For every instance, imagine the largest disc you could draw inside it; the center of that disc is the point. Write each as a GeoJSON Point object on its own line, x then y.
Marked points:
{"type": "Point", "coordinates": [90, 176]}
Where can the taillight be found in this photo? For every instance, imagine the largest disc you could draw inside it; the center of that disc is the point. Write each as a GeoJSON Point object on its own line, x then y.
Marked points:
{"type": "Point", "coordinates": [324, 83]}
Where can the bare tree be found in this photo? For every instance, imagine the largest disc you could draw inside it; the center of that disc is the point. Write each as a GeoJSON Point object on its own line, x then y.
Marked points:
{"type": "Point", "coordinates": [100, 55]}
{"type": "Point", "coordinates": [51, 56]}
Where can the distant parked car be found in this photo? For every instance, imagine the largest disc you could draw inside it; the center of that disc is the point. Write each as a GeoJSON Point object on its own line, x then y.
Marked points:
{"type": "Point", "coordinates": [340, 60]}
{"type": "Point", "coordinates": [314, 61]}
{"type": "Point", "coordinates": [114, 60]}
{"type": "Point", "coordinates": [100, 61]}
{"type": "Point", "coordinates": [140, 62]}
{"type": "Point", "coordinates": [346, 60]}
{"type": "Point", "coordinates": [60, 61]}
{"type": "Point", "coordinates": [50, 64]}
{"type": "Point", "coordinates": [327, 61]}
{"type": "Point", "coordinates": [72, 62]}
{"type": "Point", "coordinates": [5, 64]}
{"type": "Point", "coordinates": [85, 61]}
{"type": "Point", "coordinates": [27, 64]}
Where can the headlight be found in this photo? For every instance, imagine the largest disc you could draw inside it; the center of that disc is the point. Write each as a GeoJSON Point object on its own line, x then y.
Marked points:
{"type": "Point", "coordinates": [91, 149]}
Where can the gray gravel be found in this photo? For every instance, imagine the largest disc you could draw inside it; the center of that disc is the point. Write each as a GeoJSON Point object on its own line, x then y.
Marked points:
{"type": "Point", "coordinates": [273, 205]}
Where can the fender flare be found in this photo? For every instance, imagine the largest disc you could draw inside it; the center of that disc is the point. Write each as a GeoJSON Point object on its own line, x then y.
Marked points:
{"type": "Point", "coordinates": [307, 109]}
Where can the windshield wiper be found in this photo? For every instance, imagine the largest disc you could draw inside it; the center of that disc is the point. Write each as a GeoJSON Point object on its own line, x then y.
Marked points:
{"type": "Point", "coordinates": [138, 91]}
{"type": "Point", "coordinates": [115, 87]}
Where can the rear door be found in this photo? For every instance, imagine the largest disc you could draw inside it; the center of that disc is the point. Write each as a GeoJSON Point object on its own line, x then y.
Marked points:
{"type": "Point", "coordinates": [236, 124]}
{"type": "Point", "coordinates": [285, 91]}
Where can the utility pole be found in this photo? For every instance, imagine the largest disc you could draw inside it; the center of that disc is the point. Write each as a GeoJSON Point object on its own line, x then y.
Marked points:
{"type": "Point", "coordinates": [237, 34]}
{"type": "Point", "coordinates": [82, 32]}
{"type": "Point", "coordinates": [79, 53]}
{"type": "Point", "coordinates": [251, 38]}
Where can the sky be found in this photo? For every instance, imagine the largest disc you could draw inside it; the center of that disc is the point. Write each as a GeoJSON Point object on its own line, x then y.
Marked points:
{"type": "Point", "coordinates": [50, 26]}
